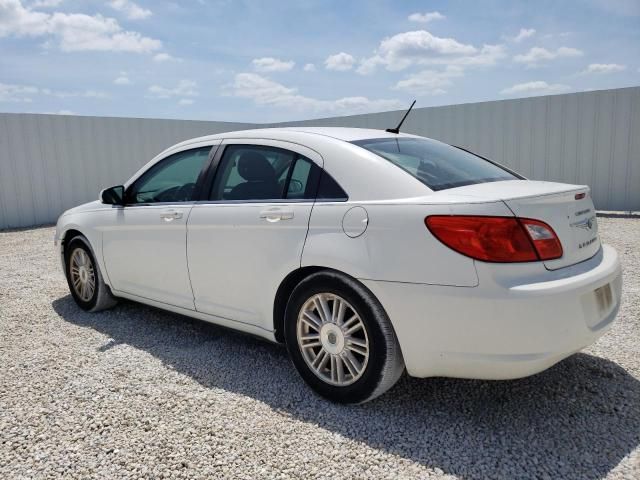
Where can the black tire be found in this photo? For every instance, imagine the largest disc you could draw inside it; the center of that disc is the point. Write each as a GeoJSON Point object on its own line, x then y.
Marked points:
{"type": "Point", "coordinates": [102, 298]}
{"type": "Point", "coordinates": [385, 363]}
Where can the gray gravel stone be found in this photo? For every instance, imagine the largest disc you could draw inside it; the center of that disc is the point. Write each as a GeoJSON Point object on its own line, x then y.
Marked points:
{"type": "Point", "coordinates": [139, 393]}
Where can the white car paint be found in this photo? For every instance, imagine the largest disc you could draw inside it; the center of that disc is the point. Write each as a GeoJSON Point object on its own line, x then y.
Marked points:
{"type": "Point", "coordinates": [223, 261]}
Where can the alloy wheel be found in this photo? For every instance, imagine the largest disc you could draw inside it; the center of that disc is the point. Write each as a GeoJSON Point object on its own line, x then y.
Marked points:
{"type": "Point", "coordinates": [333, 339]}
{"type": "Point", "coordinates": [83, 276]}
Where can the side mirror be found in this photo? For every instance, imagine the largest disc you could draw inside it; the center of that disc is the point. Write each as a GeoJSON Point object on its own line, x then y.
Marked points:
{"type": "Point", "coordinates": [113, 195]}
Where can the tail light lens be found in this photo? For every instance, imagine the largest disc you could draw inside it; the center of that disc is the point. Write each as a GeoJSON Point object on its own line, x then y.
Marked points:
{"type": "Point", "coordinates": [544, 239]}
{"type": "Point", "coordinates": [496, 239]}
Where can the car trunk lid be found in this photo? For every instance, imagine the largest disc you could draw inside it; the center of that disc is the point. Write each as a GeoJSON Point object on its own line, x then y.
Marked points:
{"type": "Point", "coordinates": [568, 209]}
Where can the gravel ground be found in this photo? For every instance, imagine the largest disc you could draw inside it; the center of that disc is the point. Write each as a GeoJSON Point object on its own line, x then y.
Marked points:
{"type": "Point", "coordinates": [139, 393]}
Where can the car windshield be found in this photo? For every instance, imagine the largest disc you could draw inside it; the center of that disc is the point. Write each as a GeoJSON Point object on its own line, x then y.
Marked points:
{"type": "Point", "coordinates": [438, 165]}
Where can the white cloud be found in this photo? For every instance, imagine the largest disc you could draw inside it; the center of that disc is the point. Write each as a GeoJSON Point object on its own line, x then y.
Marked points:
{"type": "Point", "coordinates": [65, 112]}
{"type": "Point", "coordinates": [523, 34]}
{"type": "Point", "coordinates": [340, 62]}
{"type": "Point", "coordinates": [422, 48]}
{"type": "Point", "coordinates": [74, 93]}
{"type": "Point", "coordinates": [45, 3]}
{"type": "Point", "coordinates": [23, 93]}
{"type": "Point", "coordinates": [73, 31]}
{"type": "Point", "coordinates": [270, 64]}
{"type": "Point", "coordinates": [605, 68]}
{"type": "Point", "coordinates": [537, 55]}
{"type": "Point", "coordinates": [430, 82]}
{"type": "Point", "coordinates": [309, 67]}
{"type": "Point", "coordinates": [185, 101]}
{"type": "Point", "coordinates": [535, 88]}
{"type": "Point", "coordinates": [264, 91]}
{"type": "Point", "coordinates": [122, 79]}
{"type": "Point", "coordinates": [131, 10]}
{"type": "Point", "coordinates": [184, 88]}
{"type": "Point", "coordinates": [164, 57]}
{"type": "Point", "coordinates": [17, 93]}
{"type": "Point", "coordinates": [426, 17]}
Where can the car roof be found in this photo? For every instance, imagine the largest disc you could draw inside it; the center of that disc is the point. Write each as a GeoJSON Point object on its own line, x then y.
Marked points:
{"type": "Point", "coordinates": [347, 134]}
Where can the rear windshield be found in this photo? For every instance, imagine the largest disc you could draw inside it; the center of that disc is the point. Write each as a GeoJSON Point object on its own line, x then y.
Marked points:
{"type": "Point", "coordinates": [438, 165]}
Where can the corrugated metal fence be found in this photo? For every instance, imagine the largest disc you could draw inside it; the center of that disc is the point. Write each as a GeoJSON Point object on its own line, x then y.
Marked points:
{"type": "Point", "coordinates": [590, 138]}
{"type": "Point", "coordinates": [49, 163]}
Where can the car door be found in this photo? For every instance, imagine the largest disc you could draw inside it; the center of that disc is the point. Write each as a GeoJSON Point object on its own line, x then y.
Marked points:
{"type": "Point", "coordinates": [144, 246]}
{"type": "Point", "coordinates": [249, 233]}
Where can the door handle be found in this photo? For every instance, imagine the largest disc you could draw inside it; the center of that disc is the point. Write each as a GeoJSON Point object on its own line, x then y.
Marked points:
{"type": "Point", "coordinates": [170, 215]}
{"type": "Point", "coordinates": [276, 214]}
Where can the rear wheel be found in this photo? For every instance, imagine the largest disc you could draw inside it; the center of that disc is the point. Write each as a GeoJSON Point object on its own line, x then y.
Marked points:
{"type": "Point", "coordinates": [84, 278]}
{"type": "Point", "coordinates": [341, 340]}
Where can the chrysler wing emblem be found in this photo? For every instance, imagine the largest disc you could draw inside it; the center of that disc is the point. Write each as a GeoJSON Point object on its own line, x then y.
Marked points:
{"type": "Point", "coordinates": [586, 224]}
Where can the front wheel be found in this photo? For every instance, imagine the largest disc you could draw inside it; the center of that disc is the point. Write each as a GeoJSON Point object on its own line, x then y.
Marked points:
{"type": "Point", "coordinates": [84, 278]}
{"type": "Point", "coordinates": [340, 339]}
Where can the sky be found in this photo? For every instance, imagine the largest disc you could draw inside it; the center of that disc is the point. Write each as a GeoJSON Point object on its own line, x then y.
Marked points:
{"type": "Point", "coordinates": [268, 61]}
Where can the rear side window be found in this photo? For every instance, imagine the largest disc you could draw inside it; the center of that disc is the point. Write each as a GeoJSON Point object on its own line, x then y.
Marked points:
{"type": "Point", "coordinates": [252, 172]}
{"type": "Point", "coordinates": [308, 181]}
{"type": "Point", "coordinates": [329, 190]}
{"type": "Point", "coordinates": [256, 172]}
{"type": "Point", "coordinates": [438, 165]}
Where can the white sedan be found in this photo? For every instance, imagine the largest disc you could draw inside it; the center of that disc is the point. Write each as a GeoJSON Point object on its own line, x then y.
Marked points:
{"type": "Point", "coordinates": [366, 252]}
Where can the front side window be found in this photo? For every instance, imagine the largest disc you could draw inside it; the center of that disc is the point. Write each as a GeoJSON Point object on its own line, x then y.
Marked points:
{"type": "Point", "coordinates": [438, 165]}
{"type": "Point", "coordinates": [171, 180]}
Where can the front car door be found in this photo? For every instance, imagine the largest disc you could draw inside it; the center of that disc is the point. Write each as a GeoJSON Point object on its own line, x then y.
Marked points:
{"type": "Point", "coordinates": [249, 233]}
{"type": "Point", "coordinates": [144, 246]}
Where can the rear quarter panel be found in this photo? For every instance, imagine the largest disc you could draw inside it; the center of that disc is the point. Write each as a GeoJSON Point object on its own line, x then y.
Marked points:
{"type": "Point", "coordinates": [396, 246]}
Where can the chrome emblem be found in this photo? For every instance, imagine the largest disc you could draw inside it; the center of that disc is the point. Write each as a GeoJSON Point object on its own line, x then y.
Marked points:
{"type": "Point", "coordinates": [586, 224]}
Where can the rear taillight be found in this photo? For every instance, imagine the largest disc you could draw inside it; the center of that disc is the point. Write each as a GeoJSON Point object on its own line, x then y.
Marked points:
{"type": "Point", "coordinates": [544, 239]}
{"type": "Point", "coordinates": [496, 239]}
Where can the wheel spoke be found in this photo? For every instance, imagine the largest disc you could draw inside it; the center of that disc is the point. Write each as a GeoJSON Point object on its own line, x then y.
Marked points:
{"type": "Point", "coordinates": [334, 369]}
{"type": "Point", "coordinates": [351, 321]}
{"type": "Point", "coordinates": [354, 328]}
{"type": "Point", "coordinates": [357, 349]}
{"type": "Point", "coordinates": [337, 313]}
{"type": "Point", "coordinates": [312, 320]}
{"type": "Point", "coordinates": [323, 308]}
{"type": "Point", "coordinates": [320, 360]}
{"type": "Point", "coordinates": [340, 369]}
{"type": "Point", "coordinates": [310, 337]}
{"type": "Point", "coordinates": [351, 363]}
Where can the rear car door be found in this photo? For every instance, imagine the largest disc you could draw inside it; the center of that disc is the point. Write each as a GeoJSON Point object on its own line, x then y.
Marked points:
{"type": "Point", "coordinates": [250, 231]}
{"type": "Point", "coordinates": [144, 246]}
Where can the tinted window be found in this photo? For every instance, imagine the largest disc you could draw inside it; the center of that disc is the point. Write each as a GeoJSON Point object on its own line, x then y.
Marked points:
{"type": "Point", "coordinates": [439, 166]}
{"type": "Point", "coordinates": [299, 181]}
{"type": "Point", "coordinates": [252, 173]}
{"type": "Point", "coordinates": [171, 180]}
{"type": "Point", "coordinates": [330, 190]}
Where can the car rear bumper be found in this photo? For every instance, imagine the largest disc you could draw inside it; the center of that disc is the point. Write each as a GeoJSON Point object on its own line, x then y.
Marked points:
{"type": "Point", "coordinates": [502, 328]}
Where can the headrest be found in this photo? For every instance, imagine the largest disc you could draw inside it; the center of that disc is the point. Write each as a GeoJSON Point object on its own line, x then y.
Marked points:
{"type": "Point", "coordinates": [253, 166]}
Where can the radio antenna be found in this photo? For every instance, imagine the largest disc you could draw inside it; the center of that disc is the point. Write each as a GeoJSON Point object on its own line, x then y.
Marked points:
{"type": "Point", "coordinates": [397, 129]}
